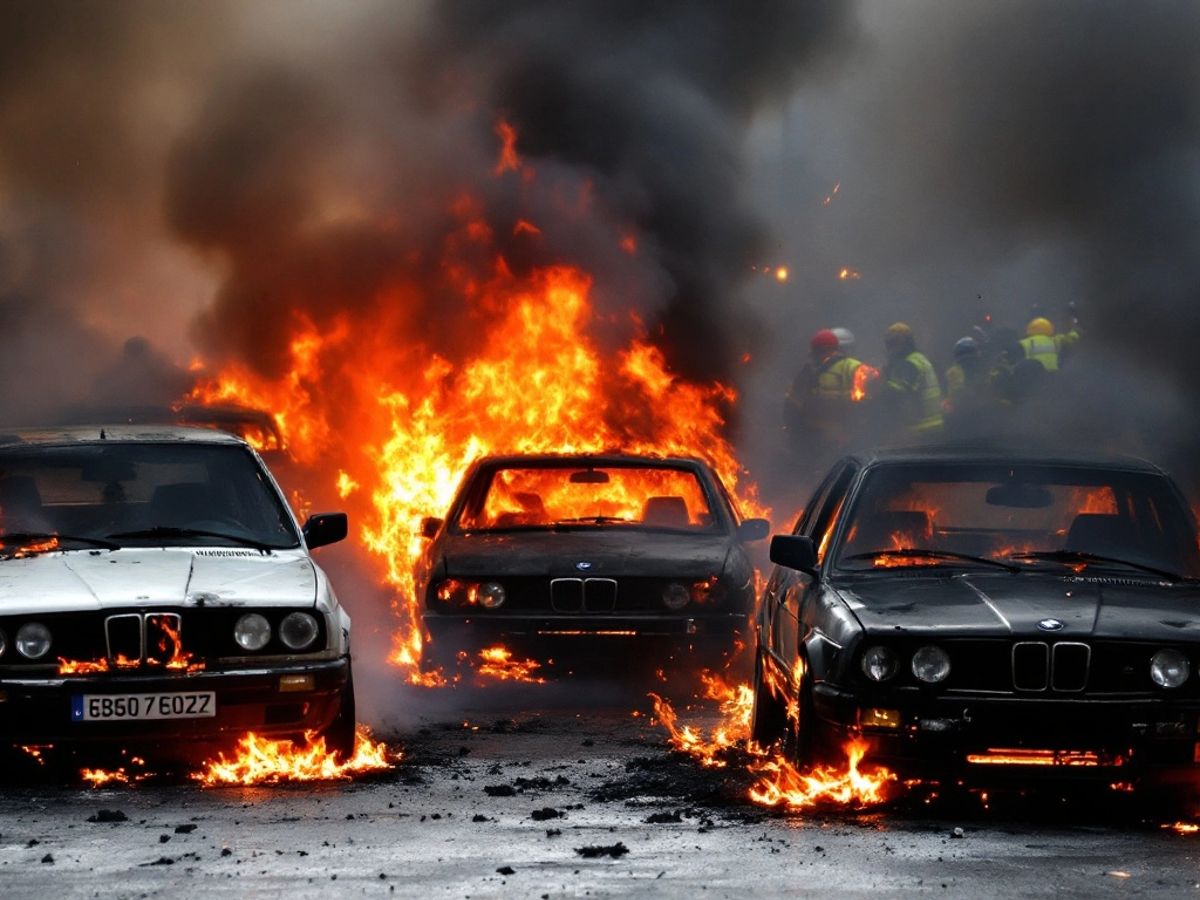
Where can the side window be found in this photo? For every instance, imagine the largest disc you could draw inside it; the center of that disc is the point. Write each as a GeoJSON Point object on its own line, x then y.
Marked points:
{"type": "Point", "coordinates": [826, 519]}
{"type": "Point", "coordinates": [819, 497]}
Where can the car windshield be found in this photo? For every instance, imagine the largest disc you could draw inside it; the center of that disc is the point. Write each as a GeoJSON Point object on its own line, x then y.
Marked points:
{"type": "Point", "coordinates": [1029, 517]}
{"type": "Point", "coordinates": [139, 494]}
{"type": "Point", "coordinates": [579, 495]}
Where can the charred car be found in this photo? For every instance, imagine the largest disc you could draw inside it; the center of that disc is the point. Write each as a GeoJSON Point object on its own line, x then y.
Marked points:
{"type": "Point", "coordinates": [587, 555]}
{"type": "Point", "coordinates": [983, 616]}
{"type": "Point", "coordinates": [155, 589]}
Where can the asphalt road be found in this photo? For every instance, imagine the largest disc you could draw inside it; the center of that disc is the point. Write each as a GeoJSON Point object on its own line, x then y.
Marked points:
{"type": "Point", "coordinates": [500, 788]}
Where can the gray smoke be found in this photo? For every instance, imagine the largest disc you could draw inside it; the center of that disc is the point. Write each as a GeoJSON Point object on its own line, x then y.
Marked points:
{"type": "Point", "coordinates": [994, 157]}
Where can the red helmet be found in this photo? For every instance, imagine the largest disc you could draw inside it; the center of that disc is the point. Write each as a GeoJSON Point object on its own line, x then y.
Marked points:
{"type": "Point", "coordinates": [824, 341]}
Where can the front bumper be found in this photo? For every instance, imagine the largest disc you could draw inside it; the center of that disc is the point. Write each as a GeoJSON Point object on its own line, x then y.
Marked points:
{"type": "Point", "coordinates": [550, 635]}
{"type": "Point", "coordinates": [998, 738]}
{"type": "Point", "coordinates": [38, 710]}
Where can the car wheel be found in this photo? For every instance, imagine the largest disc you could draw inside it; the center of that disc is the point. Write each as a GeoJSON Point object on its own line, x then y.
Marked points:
{"type": "Point", "coordinates": [768, 718]}
{"type": "Point", "coordinates": [339, 736]}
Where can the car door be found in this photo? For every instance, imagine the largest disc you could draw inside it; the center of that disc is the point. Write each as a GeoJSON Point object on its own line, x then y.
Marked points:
{"type": "Point", "coordinates": [781, 600]}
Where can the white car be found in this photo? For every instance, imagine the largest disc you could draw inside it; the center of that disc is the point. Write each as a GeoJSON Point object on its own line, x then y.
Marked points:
{"type": "Point", "coordinates": [156, 589]}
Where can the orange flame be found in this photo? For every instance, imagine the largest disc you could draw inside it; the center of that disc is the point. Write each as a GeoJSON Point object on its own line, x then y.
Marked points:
{"type": "Point", "coordinates": [864, 377]}
{"type": "Point", "coordinates": [262, 761]}
{"type": "Point", "coordinates": [848, 274]}
{"type": "Point", "coordinates": [98, 778]}
{"type": "Point", "coordinates": [736, 704]}
{"type": "Point", "coordinates": [497, 663]}
{"type": "Point", "coordinates": [379, 410]}
{"type": "Point", "coordinates": [782, 784]}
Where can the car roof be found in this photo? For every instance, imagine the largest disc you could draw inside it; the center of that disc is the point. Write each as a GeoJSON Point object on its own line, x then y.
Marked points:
{"type": "Point", "coordinates": [589, 459]}
{"type": "Point", "coordinates": [96, 434]}
{"type": "Point", "coordinates": [1000, 454]}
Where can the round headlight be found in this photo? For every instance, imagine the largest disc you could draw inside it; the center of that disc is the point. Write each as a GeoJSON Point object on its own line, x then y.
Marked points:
{"type": "Point", "coordinates": [1169, 668]}
{"type": "Point", "coordinates": [931, 664]}
{"type": "Point", "coordinates": [252, 631]}
{"type": "Point", "coordinates": [298, 630]}
{"type": "Point", "coordinates": [676, 596]}
{"type": "Point", "coordinates": [33, 640]}
{"type": "Point", "coordinates": [491, 595]}
{"type": "Point", "coordinates": [879, 663]}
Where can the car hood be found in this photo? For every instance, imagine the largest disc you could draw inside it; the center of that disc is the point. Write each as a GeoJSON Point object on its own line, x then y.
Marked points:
{"type": "Point", "coordinates": [99, 580]}
{"type": "Point", "coordinates": [987, 605]}
{"type": "Point", "coordinates": [576, 553]}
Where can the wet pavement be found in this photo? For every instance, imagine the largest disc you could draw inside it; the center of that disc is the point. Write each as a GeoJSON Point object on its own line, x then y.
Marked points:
{"type": "Point", "coordinates": [542, 792]}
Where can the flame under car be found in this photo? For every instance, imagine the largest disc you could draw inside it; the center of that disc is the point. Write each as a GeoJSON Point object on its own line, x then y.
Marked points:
{"type": "Point", "coordinates": [155, 589]}
{"type": "Point", "coordinates": [567, 556]}
{"type": "Point", "coordinates": [988, 618]}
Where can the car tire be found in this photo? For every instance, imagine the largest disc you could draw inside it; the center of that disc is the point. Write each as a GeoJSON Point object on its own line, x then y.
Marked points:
{"type": "Point", "coordinates": [768, 717]}
{"type": "Point", "coordinates": [340, 735]}
{"type": "Point", "coordinates": [801, 744]}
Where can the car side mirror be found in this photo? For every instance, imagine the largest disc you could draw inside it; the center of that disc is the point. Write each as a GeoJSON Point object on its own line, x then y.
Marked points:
{"type": "Point", "coordinates": [796, 552]}
{"type": "Point", "coordinates": [325, 528]}
{"type": "Point", "coordinates": [430, 526]}
{"type": "Point", "coordinates": [753, 530]}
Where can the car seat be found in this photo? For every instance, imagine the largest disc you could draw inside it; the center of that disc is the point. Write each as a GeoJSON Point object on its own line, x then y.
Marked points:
{"type": "Point", "coordinates": [666, 512]}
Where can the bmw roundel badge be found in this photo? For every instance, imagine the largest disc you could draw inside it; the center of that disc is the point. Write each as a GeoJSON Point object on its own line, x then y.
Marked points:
{"type": "Point", "coordinates": [1050, 625]}
{"type": "Point", "coordinates": [583, 566]}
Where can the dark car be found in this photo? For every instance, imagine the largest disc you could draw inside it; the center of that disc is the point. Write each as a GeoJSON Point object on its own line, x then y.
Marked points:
{"type": "Point", "coordinates": [987, 615]}
{"type": "Point", "coordinates": [576, 554]}
{"type": "Point", "coordinates": [155, 589]}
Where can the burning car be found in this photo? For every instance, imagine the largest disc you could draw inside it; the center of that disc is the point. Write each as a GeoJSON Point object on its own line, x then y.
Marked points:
{"type": "Point", "coordinates": [551, 551]}
{"type": "Point", "coordinates": [983, 615]}
{"type": "Point", "coordinates": [155, 589]}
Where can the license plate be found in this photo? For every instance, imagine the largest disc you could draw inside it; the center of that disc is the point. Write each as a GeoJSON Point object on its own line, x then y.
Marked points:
{"type": "Point", "coordinates": [143, 707]}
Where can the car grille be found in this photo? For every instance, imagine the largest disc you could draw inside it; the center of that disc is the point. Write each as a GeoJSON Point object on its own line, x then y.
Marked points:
{"type": "Point", "coordinates": [589, 595]}
{"type": "Point", "coordinates": [1061, 667]}
{"type": "Point", "coordinates": [144, 637]}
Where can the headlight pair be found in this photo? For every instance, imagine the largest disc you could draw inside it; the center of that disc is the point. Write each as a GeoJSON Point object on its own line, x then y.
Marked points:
{"type": "Point", "coordinates": [297, 631]}
{"type": "Point", "coordinates": [488, 594]}
{"type": "Point", "coordinates": [677, 595]}
{"type": "Point", "coordinates": [930, 664]}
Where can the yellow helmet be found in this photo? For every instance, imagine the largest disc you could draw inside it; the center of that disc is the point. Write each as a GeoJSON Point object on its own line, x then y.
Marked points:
{"type": "Point", "coordinates": [1040, 327]}
{"type": "Point", "coordinates": [897, 332]}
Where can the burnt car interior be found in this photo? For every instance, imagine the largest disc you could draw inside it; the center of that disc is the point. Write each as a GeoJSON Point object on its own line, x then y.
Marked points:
{"type": "Point", "coordinates": [549, 497]}
{"type": "Point", "coordinates": [916, 514]}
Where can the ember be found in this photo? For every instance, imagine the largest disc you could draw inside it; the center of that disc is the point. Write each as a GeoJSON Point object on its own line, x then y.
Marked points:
{"type": "Point", "coordinates": [262, 761]}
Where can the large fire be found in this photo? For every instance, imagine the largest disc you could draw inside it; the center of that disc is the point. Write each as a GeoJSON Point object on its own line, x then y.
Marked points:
{"type": "Point", "coordinates": [377, 408]}
{"type": "Point", "coordinates": [262, 761]}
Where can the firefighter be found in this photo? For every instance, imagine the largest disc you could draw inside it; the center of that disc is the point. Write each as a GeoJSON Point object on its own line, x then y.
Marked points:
{"type": "Point", "coordinates": [968, 391]}
{"type": "Point", "coordinates": [821, 392]}
{"type": "Point", "coordinates": [1044, 346]}
{"type": "Point", "coordinates": [911, 388]}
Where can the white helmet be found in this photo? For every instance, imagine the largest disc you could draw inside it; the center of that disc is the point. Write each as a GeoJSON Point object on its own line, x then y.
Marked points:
{"type": "Point", "coordinates": [845, 338]}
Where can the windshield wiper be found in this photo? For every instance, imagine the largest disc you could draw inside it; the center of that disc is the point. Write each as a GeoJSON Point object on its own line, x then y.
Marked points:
{"type": "Point", "coordinates": [593, 520]}
{"type": "Point", "coordinates": [164, 531]}
{"type": "Point", "coordinates": [920, 553]}
{"type": "Point", "coordinates": [1082, 556]}
{"type": "Point", "coordinates": [27, 537]}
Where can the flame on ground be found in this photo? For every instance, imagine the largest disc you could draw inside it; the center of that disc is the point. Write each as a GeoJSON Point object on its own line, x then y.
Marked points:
{"type": "Point", "coordinates": [782, 784]}
{"type": "Point", "coordinates": [262, 761]}
{"type": "Point", "coordinates": [779, 782]}
{"type": "Point", "coordinates": [497, 663]}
